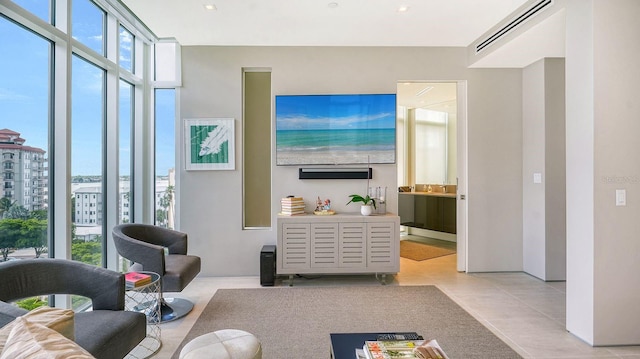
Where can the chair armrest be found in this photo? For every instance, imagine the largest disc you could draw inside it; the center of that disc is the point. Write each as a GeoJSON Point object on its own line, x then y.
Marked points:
{"type": "Point", "coordinates": [175, 241]}
{"type": "Point", "coordinates": [149, 255]}
{"type": "Point", "coordinates": [32, 277]}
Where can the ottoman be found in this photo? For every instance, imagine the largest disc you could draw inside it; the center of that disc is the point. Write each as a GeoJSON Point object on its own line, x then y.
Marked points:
{"type": "Point", "coordinates": [223, 344]}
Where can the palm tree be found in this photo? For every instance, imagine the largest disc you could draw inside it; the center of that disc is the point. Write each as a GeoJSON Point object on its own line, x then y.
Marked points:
{"type": "Point", "coordinates": [17, 212]}
{"type": "Point", "coordinates": [165, 202]}
{"type": "Point", "coordinates": [5, 204]}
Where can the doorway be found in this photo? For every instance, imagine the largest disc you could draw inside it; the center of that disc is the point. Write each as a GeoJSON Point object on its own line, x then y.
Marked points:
{"type": "Point", "coordinates": [431, 142]}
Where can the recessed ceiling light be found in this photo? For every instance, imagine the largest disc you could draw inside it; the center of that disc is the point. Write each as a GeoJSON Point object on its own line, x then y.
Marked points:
{"type": "Point", "coordinates": [332, 5]}
{"type": "Point", "coordinates": [210, 7]}
{"type": "Point", "coordinates": [403, 8]}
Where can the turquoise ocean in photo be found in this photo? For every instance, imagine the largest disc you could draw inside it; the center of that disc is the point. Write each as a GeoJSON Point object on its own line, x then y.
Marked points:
{"type": "Point", "coordinates": [336, 140]}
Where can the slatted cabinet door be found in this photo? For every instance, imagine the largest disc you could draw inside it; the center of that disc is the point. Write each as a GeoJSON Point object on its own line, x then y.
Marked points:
{"type": "Point", "coordinates": [296, 251]}
{"type": "Point", "coordinates": [353, 245]}
{"type": "Point", "coordinates": [324, 245]}
{"type": "Point", "coordinates": [380, 245]}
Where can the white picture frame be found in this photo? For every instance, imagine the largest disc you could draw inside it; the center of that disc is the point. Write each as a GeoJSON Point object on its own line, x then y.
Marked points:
{"type": "Point", "coordinates": [209, 144]}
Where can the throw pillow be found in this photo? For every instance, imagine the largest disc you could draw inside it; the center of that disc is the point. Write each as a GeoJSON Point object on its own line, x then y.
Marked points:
{"type": "Point", "coordinates": [60, 320]}
{"type": "Point", "coordinates": [29, 340]}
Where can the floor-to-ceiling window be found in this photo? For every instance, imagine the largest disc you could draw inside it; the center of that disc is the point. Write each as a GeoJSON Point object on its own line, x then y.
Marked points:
{"type": "Point", "coordinates": [25, 85]}
{"type": "Point", "coordinates": [88, 25]}
{"type": "Point", "coordinates": [87, 131]}
{"type": "Point", "coordinates": [125, 205]}
{"type": "Point", "coordinates": [165, 157]}
{"type": "Point", "coordinates": [77, 99]}
{"type": "Point", "coordinates": [40, 8]}
{"type": "Point", "coordinates": [126, 49]}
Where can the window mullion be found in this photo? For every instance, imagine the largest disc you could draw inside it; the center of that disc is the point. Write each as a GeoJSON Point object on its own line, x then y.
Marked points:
{"type": "Point", "coordinates": [111, 131]}
{"type": "Point", "coordinates": [60, 158]}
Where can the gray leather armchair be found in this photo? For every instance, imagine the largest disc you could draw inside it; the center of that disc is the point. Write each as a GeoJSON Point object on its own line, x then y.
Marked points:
{"type": "Point", "coordinates": [144, 245]}
{"type": "Point", "coordinates": [107, 331]}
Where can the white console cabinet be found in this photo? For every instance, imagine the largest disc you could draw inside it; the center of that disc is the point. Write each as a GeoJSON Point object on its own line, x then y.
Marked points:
{"type": "Point", "coordinates": [338, 244]}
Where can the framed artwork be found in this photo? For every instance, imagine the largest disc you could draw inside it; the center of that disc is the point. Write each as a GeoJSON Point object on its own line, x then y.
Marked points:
{"type": "Point", "coordinates": [335, 129]}
{"type": "Point", "coordinates": [209, 144]}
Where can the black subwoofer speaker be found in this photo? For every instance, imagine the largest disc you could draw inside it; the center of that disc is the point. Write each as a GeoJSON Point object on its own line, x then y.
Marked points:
{"type": "Point", "coordinates": [268, 265]}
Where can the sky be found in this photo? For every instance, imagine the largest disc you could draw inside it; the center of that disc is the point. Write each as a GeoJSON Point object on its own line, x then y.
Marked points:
{"type": "Point", "coordinates": [25, 88]}
{"type": "Point", "coordinates": [336, 112]}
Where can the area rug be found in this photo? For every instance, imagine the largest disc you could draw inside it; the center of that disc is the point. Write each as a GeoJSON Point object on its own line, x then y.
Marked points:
{"type": "Point", "coordinates": [295, 322]}
{"type": "Point", "coordinates": [420, 251]}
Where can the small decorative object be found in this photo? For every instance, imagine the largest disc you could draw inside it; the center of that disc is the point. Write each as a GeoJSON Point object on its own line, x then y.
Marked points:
{"type": "Point", "coordinates": [323, 208]}
{"type": "Point", "coordinates": [367, 203]}
{"type": "Point", "coordinates": [379, 195]}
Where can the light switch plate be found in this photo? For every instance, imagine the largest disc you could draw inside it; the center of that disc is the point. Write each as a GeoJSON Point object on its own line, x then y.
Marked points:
{"type": "Point", "coordinates": [537, 178]}
{"type": "Point", "coordinates": [621, 197]}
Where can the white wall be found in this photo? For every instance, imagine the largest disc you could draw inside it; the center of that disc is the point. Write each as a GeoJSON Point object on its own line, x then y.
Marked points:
{"type": "Point", "coordinates": [602, 129]}
{"type": "Point", "coordinates": [533, 200]}
{"type": "Point", "coordinates": [544, 215]}
{"type": "Point", "coordinates": [495, 170]}
{"type": "Point", "coordinates": [210, 201]}
{"type": "Point", "coordinates": [616, 109]}
{"type": "Point", "coordinates": [580, 157]}
{"type": "Point", "coordinates": [554, 177]}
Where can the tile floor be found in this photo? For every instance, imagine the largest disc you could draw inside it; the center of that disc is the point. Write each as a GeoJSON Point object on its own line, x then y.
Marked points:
{"type": "Point", "coordinates": [527, 313]}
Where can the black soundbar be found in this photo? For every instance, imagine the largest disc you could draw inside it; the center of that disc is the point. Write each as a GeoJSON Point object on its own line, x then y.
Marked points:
{"type": "Point", "coordinates": [335, 173]}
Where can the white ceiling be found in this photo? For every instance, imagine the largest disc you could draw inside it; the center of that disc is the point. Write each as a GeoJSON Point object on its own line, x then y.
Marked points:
{"type": "Point", "coordinates": [322, 22]}
{"type": "Point", "coordinates": [455, 23]}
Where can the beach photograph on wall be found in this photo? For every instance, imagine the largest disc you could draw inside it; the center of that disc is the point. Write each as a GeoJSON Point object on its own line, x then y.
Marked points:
{"type": "Point", "coordinates": [209, 144]}
{"type": "Point", "coordinates": [335, 129]}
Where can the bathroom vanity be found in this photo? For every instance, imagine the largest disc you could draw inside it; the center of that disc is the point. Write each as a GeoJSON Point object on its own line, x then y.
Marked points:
{"type": "Point", "coordinates": [434, 211]}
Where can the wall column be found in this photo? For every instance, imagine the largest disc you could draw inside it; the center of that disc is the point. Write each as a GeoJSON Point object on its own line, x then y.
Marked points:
{"type": "Point", "coordinates": [543, 169]}
{"type": "Point", "coordinates": [602, 147]}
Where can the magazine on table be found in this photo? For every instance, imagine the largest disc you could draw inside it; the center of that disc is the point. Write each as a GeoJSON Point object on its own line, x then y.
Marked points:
{"type": "Point", "coordinates": [402, 349]}
{"type": "Point", "coordinates": [135, 279]}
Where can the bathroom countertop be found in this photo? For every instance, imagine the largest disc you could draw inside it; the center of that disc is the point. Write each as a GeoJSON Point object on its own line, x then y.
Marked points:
{"type": "Point", "coordinates": [434, 194]}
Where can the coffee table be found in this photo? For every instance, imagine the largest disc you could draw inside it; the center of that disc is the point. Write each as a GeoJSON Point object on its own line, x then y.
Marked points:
{"type": "Point", "coordinates": [344, 345]}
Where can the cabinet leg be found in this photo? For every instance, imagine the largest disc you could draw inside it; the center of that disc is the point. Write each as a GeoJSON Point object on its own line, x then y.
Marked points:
{"type": "Point", "coordinates": [382, 279]}
{"type": "Point", "coordinates": [290, 280]}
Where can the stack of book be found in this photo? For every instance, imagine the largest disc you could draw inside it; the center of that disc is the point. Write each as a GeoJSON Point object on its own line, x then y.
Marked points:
{"type": "Point", "coordinates": [135, 279]}
{"type": "Point", "coordinates": [291, 206]}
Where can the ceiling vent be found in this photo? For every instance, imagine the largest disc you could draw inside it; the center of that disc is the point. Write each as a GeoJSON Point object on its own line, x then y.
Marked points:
{"type": "Point", "coordinates": [514, 23]}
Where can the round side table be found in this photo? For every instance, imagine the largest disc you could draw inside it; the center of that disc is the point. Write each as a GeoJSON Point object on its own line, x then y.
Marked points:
{"type": "Point", "coordinates": [144, 299]}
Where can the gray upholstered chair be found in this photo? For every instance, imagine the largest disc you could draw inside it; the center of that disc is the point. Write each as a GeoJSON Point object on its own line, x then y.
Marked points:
{"type": "Point", "coordinates": [107, 331]}
{"type": "Point", "coordinates": [144, 245]}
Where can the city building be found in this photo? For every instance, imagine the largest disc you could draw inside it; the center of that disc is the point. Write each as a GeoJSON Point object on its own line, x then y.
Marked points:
{"type": "Point", "coordinates": [88, 199]}
{"type": "Point", "coordinates": [88, 210]}
{"type": "Point", "coordinates": [23, 171]}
